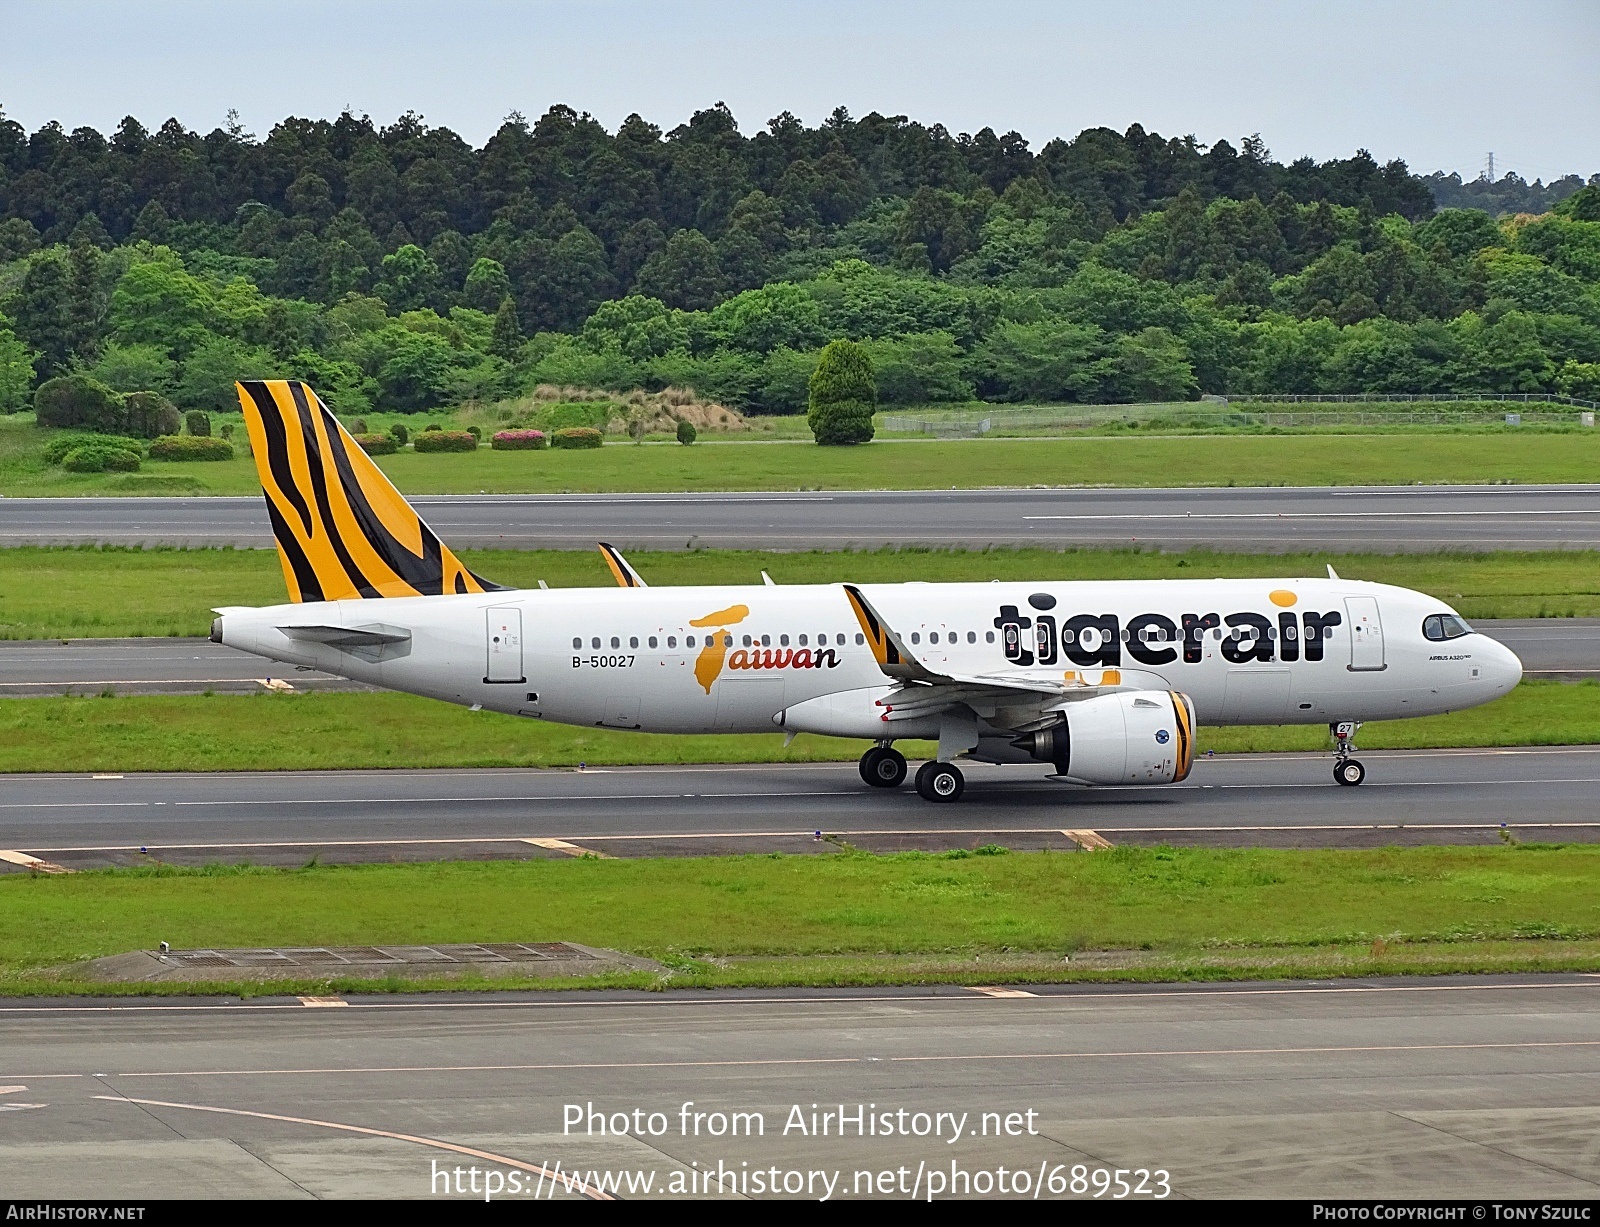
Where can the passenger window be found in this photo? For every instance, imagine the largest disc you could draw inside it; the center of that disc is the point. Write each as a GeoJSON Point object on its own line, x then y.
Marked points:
{"type": "Point", "coordinates": [915, 637]}
{"type": "Point", "coordinates": [672, 641]}
{"type": "Point", "coordinates": [972, 636]}
{"type": "Point", "coordinates": [783, 641]}
{"type": "Point", "coordinates": [633, 641]}
{"type": "Point", "coordinates": [652, 641]}
{"type": "Point", "coordinates": [804, 641]}
{"type": "Point", "coordinates": [595, 643]}
{"type": "Point", "coordinates": [577, 643]}
{"type": "Point", "coordinates": [688, 641]}
{"type": "Point", "coordinates": [747, 641]}
{"type": "Point", "coordinates": [766, 641]}
{"type": "Point", "coordinates": [988, 636]}
{"type": "Point", "coordinates": [860, 639]}
{"type": "Point", "coordinates": [727, 640]}
{"type": "Point", "coordinates": [615, 642]}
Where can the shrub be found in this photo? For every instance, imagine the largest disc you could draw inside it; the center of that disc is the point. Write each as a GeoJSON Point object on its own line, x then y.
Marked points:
{"type": "Point", "coordinates": [55, 451]}
{"type": "Point", "coordinates": [518, 440]}
{"type": "Point", "coordinates": [190, 447]}
{"type": "Point", "coordinates": [686, 432]}
{"type": "Point", "coordinates": [577, 437]}
{"type": "Point", "coordinates": [226, 431]}
{"type": "Point", "coordinates": [843, 395]}
{"type": "Point", "coordinates": [77, 402]}
{"type": "Point", "coordinates": [399, 434]}
{"type": "Point", "coordinates": [98, 457]}
{"type": "Point", "coordinates": [359, 426]}
{"type": "Point", "coordinates": [593, 414]}
{"type": "Point", "coordinates": [198, 423]}
{"type": "Point", "coordinates": [476, 432]}
{"type": "Point", "coordinates": [150, 415]}
{"type": "Point", "coordinates": [376, 444]}
{"type": "Point", "coordinates": [438, 440]}
{"type": "Point", "coordinates": [432, 426]}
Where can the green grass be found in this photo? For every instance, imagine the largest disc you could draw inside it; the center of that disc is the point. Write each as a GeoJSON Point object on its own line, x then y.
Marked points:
{"type": "Point", "coordinates": [88, 592]}
{"type": "Point", "coordinates": [1122, 460]}
{"type": "Point", "coordinates": [271, 732]}
{"type": "Point", "coordinates": [1186, 905]}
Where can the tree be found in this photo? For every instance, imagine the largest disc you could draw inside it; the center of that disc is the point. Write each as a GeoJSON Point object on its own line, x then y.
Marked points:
{"type": "Point", "coordinates": [135, 368]}
{"type": "Point", "coordinates": [158, 303]}
{"type": "Point", "coordinates": [210, 371]}
{"type": "Point", "coordinates": [507, 339]}
{"type": "Point", "coordinates": [487, 285]}
{"type": "Point", "coordinates": [41, 310]}
{"type": "Point", "coordinates": [843, 395]}
{"type": "Point", "coordinates": [16, 370]}
{"type": "Point", "coordinates": [410, 279]}
{"type": "Point", "coordinates": [1153, 365]}
{"type": "Point", "coordinates": [685, 273]}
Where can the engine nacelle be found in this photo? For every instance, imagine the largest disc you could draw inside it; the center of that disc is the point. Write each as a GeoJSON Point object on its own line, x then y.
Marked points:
{"type": "Point", "coordinates": [1131, 737]}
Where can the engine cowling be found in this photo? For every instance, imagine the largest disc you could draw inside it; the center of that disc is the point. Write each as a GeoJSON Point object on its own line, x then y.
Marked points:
{"type": "Point", "coordinates": [1131, 737]}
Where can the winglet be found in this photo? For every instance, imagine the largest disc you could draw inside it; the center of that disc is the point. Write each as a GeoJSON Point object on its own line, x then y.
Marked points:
{"type": "Point", "coordinates": [627, 577]}
{"type": "Point", "coordinates": [1332, 574]}
{"type": "Point", "coordinates": [887, 648]}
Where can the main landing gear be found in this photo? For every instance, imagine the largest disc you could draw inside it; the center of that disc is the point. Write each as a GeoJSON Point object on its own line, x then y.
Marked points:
{"type": "Point", "coordinates": [883, 767]}
{"type": "Point", "coordinates": [1346, 770]}
{"type": "Point", "coordinates": [940, 782]}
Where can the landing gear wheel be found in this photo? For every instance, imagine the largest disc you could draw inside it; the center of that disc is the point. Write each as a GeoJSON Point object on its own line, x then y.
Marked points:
{"type": "Point", "coordinates": [940, 782]}
{"type": "Point", "coordinates": [1349, 771]}
{"type": "Point", "coordinates": [883, 768]}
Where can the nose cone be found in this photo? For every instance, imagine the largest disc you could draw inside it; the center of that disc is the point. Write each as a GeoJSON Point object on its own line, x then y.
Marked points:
{"type": "Point", "coordinates": [1502, 670]}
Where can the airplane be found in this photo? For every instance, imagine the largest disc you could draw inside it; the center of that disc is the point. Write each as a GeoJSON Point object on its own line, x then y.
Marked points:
{"type": "Point", "coordinates": [1104, 681]}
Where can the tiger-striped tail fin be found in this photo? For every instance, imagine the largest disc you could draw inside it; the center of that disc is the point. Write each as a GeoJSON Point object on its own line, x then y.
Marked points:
{"type": "Point", "coordinates": [343, 531]}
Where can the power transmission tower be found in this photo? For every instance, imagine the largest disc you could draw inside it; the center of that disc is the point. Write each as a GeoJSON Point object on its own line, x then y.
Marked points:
{"type": "Point", "coordinates": [1489, 170]}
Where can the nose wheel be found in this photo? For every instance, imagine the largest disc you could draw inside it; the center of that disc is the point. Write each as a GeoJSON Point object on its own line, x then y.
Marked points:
{"type": "Point", "coordinates": [1349, 772]}
{"type": "Point", "coordinates": [1346, 770]}
{"type": "Point", "coordinates": [883, 767]}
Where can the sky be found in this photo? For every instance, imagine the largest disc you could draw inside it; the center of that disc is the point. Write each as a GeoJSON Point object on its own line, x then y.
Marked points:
{"type": "Point", "coordinates": [1437, 84]}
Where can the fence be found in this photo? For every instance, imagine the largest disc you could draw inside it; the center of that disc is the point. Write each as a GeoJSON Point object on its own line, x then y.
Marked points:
{"type": "Point", "coordinates": [1244, 411]}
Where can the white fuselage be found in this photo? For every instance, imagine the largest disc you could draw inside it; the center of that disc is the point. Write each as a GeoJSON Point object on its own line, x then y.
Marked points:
{"type": "Point", "coordinates": [1288, 651]}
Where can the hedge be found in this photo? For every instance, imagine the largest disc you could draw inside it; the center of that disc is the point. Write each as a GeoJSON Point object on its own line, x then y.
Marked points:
{"type": "Point", "coordinates": [376, 444]}
{"type": "Point", "coordinates": [445, 441]}
{"type": "Point", "coordinates": [100, 458]}
{"type": "Point", "coordinates": [518, 440]}
{"type": "Point", "coordinates": [190, 447]}
{"type": "Point", "coordinates": [56, 451]}
{"type": "Point", "coordinates": [577, 436]}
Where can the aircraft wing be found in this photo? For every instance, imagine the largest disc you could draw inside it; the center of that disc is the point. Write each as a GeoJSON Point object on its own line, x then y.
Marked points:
{"type": "Point", "coordinates": [924, 692]}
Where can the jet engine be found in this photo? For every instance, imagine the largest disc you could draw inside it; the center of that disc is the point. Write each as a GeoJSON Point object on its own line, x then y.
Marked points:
{"type": "Point", "coordinates": [1130, 737]}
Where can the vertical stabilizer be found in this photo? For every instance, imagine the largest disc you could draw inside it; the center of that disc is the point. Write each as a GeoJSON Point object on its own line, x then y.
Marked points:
{"type": "Point", "coordinates": [343, 531]}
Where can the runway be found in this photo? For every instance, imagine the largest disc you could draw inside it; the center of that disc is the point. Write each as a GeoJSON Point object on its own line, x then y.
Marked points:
{"type": "Point", "coordinates": [1457, 1087]}
{"type": "Point", "coordinates": [1568, 648]}
{"type": "Point", "coordinates": [1283, 800]}
{"type": "Point", "coordinates": [1276, 519]}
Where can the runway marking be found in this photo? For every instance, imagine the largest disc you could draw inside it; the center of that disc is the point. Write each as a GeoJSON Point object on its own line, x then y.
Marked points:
{"type": "Point", "coordinates": [11, 1090]}
{"type": "Point", "coordinates": [561, 845]}
{"type": "Point", "coordinates": [658, 1000]}
{"type": "Point", "coordinates": [997, 991]}
{"type": "Point", "coordinates": [21, 1107]}
{"type": "Point", "coordinates": [426, 841]}
{"type": "Point", "coordinates": [1303, 515]}
{"type": "Point", "coordinates": [31, 862]}
{"type": "Point", "coordinates": [272, 683]}
{"type": "Point", "coordinates": [322, 1003]}
{"type": "Point", "coordinates": [1088, 841]}
{"type": "Point", "coordinates": [583, 1188]}
{"type": "Point", "coordinates": [808, 1062]}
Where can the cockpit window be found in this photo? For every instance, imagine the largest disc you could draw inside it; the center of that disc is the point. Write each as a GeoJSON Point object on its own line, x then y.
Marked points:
{"type": "Point", "coordinates": [1440, 627]}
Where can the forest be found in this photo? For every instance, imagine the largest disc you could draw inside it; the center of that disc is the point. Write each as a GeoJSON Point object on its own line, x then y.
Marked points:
{"type": "Point", "coordinates": [400, 268]}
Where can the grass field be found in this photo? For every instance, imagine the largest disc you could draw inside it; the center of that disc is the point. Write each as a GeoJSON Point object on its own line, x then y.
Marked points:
{"type": "Point", "coordinates": [87, 592]}
{"type": "Point", "coordinates": [1243, 460]}
{"type": "Point", "coordinates": [275, 732]}
{"type": "Point", "coordinates": [851, 917]}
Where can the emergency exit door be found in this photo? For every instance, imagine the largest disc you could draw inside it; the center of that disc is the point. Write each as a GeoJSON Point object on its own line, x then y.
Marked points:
{"type": "Point", "coordinates": [1366, 634]}
{"type": "Point", "coordinates": [503, 641]}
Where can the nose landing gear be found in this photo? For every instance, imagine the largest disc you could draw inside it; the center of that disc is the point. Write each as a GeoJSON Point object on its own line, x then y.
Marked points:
{"type": "Point", "coordinates": [1346, 770]}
